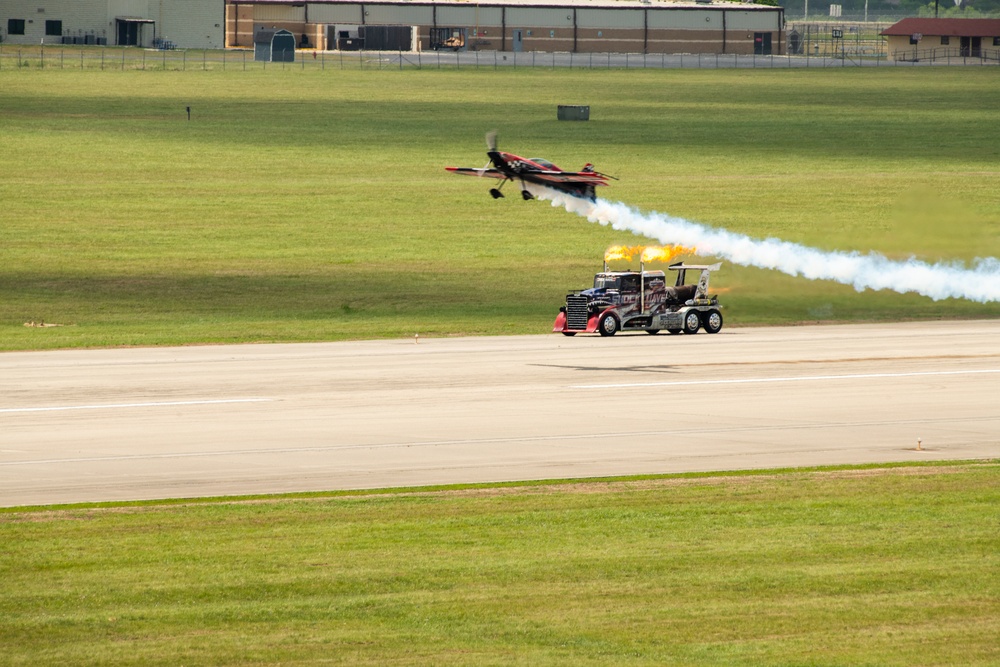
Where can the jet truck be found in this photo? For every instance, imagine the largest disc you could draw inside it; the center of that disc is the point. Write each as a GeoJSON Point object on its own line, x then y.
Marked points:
{"type": "Point", "coordinates": [642, 301]}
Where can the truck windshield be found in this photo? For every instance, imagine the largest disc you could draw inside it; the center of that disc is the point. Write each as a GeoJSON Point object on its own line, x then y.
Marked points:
{"type": "Point", "coordinates": [606, 282]}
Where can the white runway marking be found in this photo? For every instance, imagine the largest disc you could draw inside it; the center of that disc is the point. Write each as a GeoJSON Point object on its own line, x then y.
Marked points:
{"type": "Point", "coordinates": [116, 406]}
{"type": "Point", "coordinates": [807, 378]}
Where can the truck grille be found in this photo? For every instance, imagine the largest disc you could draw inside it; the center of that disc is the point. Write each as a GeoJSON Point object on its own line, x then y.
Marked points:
{"type": "Point", "coordinates": [576, 312]}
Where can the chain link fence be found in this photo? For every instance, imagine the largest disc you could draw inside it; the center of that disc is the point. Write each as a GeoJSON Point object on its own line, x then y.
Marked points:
{"type": "Point", "coordinates": [815, 53]}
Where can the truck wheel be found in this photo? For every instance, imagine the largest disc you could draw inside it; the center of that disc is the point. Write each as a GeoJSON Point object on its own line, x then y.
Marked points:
{"type": "Point", "coordinates": [608, 325]}
{"type": "Point", "coordinates": [713, 322]}
{"type": "Point", "coordinates": [692, 322]}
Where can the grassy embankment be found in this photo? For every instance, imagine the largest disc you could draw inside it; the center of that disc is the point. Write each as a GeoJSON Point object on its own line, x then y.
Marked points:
{"type": "Point", "coordinates": [863, 566]}
{"type": "Point", "coordinates": [313, 205]}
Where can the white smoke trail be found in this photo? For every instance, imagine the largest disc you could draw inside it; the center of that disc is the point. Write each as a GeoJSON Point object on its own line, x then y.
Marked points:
{"type": "Point", "coordinates": [862, 271]}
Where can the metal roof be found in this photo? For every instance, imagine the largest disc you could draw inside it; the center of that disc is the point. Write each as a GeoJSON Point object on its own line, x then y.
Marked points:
{"type": "Point", "coordinates": [562, 4]}
{"type": "Point", "coordinates": [945, 27]}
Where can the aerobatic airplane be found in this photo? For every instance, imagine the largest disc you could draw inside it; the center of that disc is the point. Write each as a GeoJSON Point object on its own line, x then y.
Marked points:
{"type": "Point", "coordinates": [510, 167]}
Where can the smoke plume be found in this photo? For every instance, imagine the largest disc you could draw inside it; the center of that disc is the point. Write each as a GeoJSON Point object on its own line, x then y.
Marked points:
{"type": "Point", "coordinates": [862, 271]}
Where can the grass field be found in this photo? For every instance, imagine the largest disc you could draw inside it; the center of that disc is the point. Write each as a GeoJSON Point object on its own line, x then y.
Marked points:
{"type": "Point", "coordinates": [855, 566]}
{"type": "Point", "coordinates": [314, 206]}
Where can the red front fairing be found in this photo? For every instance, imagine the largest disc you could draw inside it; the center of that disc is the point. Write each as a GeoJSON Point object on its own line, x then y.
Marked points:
{"type": "Point", "coordinates": [560, 324]}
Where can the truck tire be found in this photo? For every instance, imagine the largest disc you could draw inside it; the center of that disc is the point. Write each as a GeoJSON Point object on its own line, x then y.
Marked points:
{"type": "Point", "coordinates": [713, 321]}
{"type": "Point", "coordinates": [692, 322]}
{"type": "Point", "coordinates": [608, 326]}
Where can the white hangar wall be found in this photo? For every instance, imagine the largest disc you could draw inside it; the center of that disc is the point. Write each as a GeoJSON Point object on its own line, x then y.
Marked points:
{"type": "Point", "coordinates": [197, 24]}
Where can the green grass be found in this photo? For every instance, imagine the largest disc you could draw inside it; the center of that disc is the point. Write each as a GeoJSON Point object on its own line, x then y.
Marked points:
{"type": "Point", "coordinates": [314, 206]}
{"type": "Point", "coordinates": [849, 566]}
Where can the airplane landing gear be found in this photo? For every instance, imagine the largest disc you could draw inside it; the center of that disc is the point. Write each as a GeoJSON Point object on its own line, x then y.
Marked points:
{"type": "Point", "coordinates": [496, 193]}
{"type": "Point", "coordinates": [527, 195]}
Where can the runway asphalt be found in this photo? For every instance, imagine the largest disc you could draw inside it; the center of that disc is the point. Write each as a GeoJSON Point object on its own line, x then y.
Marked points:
{"type": "Point", "coordinates": [130, 424]}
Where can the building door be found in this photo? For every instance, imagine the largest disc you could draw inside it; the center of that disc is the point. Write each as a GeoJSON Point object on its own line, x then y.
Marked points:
{"type": "Point", "coordinates": [762, 43]}
{"type": "Point", "coordinates": [972, 47]}
{"type": "Point", "coordinates": [128, 33]}
{"type": "Point", "coordinates": [518, 41]}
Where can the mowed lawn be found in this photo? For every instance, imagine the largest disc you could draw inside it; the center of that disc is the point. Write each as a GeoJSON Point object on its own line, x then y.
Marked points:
{"type": "Point", "coordinates": [862, 566]}
{"type": "Point", "coordinates": [314, 205]}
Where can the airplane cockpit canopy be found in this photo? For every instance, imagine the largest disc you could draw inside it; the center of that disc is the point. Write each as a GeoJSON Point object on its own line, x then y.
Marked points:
{"type": "Point", "coordinates": [545, 163]}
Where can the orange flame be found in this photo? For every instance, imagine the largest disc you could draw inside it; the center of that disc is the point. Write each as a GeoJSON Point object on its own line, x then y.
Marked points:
{"type": "Point", "coordinates": [665, 253]}
{"type": "Point", "coordinates": [622, 252]}
{"type": "Point", "coordinates": [646, 253]}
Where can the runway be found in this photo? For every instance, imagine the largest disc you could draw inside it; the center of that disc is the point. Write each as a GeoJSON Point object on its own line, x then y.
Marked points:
{"type": "Point", "coordinates": [129, 424]}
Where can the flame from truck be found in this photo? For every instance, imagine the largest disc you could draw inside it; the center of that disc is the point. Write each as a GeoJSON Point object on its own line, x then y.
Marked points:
{"type": "Point", "coordinates": [646, 253]}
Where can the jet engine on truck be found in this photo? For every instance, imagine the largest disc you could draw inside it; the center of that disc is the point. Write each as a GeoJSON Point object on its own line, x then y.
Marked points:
{"type": "Point", "coordinates": [642, 301]}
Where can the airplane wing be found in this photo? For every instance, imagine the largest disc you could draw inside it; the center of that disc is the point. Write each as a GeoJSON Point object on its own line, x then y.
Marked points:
{"type": "Point", "coordinates": [581, 177]}
{"type": "Point", "coordinates": [473, 171]}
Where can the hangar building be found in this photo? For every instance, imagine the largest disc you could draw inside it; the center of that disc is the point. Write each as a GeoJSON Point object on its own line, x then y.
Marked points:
{"type": "Point", "coordinates": [192, 24]}
{"type": "Point", "coordinates": [579, 26]}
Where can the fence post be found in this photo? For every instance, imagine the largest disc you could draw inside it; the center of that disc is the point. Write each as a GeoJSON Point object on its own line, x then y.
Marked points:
{"type": "Point", "coordinates": [123, 60]}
